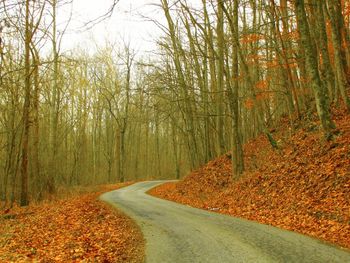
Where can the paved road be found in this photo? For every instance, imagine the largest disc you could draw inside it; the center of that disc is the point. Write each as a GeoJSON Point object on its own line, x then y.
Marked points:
{"type": "Point", "coordinates": [176, 233]}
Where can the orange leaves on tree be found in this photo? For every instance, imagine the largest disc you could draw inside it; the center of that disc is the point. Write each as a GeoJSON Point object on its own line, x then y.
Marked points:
{"type": "Point", "coordinates": [262, 88]}
{"type": "Point", "coordinates": [275, 63]}
{"type": "Point", "coordinates": [262, 84]}
{"type": "Point", "coordinates": [254, 59]}
{"type": "Point", "coordinates": [272, 63]}
{"type": "Point", "coordinates": [263, 95]}
{"type": "Point", "coordinates": [291, 35]}
{"type": "Point", "coordinates": [249, 103]}
{"type": "Point", "coordinates": [251, 38]}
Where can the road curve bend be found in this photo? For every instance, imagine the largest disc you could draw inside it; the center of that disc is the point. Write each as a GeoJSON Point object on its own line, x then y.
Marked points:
{"type": "Point", "coordinates": [177, 233]}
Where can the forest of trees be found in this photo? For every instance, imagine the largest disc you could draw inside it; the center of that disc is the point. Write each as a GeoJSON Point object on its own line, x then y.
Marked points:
{"type": "Point", "coordinates": [222, 73]}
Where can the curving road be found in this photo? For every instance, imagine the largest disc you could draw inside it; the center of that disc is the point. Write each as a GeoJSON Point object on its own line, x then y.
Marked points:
{"type": "Point", "coordinates": [177, 233]}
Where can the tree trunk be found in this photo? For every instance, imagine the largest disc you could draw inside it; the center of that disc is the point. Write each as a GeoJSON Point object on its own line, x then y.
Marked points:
{"type": "Point", "coordinates": [341, 67]}
{"type": "Point", "coordinates": [220, 78]}
{"type": "Point", "coordinates": [237, 150]}
{"type": "Point", "coordinates": [26, 109]}
{"type": "Point", "coordinates": [54, 109]}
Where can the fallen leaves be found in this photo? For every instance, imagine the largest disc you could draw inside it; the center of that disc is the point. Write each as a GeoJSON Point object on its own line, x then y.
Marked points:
{"type": "Point", "coordinates": [304, 187]}
{"type": "Point", "coordinates": [74, 229]}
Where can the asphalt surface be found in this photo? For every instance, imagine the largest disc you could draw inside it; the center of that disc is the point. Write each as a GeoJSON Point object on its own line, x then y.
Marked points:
{"type": "Point", "coordinates": [177, 233]}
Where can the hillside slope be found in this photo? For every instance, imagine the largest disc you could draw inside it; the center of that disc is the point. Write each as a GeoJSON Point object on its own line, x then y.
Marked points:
{"type": "Point", "coordinates": [304, 186]}
{"type": "Point", "coordinates": [77, 228]}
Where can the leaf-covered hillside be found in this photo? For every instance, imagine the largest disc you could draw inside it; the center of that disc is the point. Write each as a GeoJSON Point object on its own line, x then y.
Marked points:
{"type": "Point", "coordinates": [79, 228]}
{"type": "Point", "coordinates": [304, 186]}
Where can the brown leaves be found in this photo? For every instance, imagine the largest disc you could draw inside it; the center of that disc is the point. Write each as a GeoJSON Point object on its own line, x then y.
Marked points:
{"type": "Point", "coordinates": [70, 230]}
{"type": "Point", "coordinates": [304, 187]}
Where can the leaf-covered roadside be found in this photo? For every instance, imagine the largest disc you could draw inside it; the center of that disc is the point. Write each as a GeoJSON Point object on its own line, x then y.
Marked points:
{"type": "Point", "coordinates": [304, 187]}
{"type": "Point", "coordinates": [70, 230]}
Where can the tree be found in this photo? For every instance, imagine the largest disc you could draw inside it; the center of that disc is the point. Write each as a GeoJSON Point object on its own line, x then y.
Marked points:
{"type": "Point", "coordinates": [312, 68]}
{"type": "Point", "coordinates": [237, 152]}
{"type": "Point", "coordinates": [26, 108]}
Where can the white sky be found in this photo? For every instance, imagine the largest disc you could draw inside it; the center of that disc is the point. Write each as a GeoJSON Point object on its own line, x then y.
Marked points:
{"type": "Point", "coordinates": [126, 23]}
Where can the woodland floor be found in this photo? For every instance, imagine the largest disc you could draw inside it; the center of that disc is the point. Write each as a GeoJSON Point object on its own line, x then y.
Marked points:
{"type": "Point", "coordinates": [304, 186]}
{"type": "Point", "coordinates": [73, 229]}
